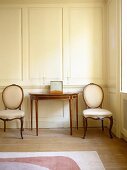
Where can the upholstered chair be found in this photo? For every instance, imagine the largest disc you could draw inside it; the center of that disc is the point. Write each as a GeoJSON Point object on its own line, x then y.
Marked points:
{"type": "Point", "coordinates": [93, 96]}
{"type": "Point", "coordinates": [12, 97]}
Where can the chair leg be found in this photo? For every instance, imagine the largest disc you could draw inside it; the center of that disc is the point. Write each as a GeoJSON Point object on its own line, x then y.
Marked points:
{"type": "Point", "coordinates": [85, 126]}
{"type": "Point", "coordinates": [102, 121]}
{"type": "Point", "coordinates": [21, 119]}
{"type": "Point", "coordinates": [110, 128]}
{"type": "Point", "coordinates": [4, 125]}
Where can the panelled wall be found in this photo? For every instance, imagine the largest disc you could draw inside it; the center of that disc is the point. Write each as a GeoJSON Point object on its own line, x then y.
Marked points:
{"type": "Point", "coordinates": [113, 63]}
{"type": "Point", "coordinates": [44, 42]}
{"type": "Point", "coordinates": [123, 96]}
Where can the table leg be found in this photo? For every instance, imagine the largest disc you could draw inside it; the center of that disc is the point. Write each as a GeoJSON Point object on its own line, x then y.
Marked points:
{"type": "Point", "coordinates": [70, 108]}
{"type": "Point", "coordinates": [36, 110]}
{"type": "Point", "coordinates": [77, 110]}
{"type": "Point", "coordinates": [31, 105]}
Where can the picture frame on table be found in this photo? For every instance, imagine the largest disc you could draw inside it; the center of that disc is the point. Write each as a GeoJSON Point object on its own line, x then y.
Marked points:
{"type": "Point", "coordinates": [56, 87]}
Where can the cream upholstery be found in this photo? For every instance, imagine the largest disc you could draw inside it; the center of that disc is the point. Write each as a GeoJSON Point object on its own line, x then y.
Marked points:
{"type": "Point", "coordinates": [93, 96]}
{"type": "Point", "coordinates": [11, 114]}
{"type": "Point", "coordinates": [15, 93]}
{"type": "Point", "coordinates": [96, 112]}
{"type": "Point", "coordinates": [12, 97]}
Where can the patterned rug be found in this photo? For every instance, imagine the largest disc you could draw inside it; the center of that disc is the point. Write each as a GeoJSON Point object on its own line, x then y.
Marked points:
{"type": "Point", "coordinates": [77, 160]}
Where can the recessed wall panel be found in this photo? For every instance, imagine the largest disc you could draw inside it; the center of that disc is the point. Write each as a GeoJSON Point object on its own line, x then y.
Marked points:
{"type": "Point", "coordinates": [85, 36]}
{"type": "Point", "coordinates": [45, 43]}
{"type": "Point", "coordinates": [10, 44]}
{"type": "Point", "coordinates": [112, 42]}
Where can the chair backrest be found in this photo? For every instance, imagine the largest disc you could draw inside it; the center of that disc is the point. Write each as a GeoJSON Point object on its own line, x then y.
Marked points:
{"type": "Point", "coordinates": [93, 95]}
{"type": "Point", "coordinates": [12, 96]}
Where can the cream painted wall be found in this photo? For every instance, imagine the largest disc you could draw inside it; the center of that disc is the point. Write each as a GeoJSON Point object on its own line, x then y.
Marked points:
{"type": "Point", "coordinates": [43, 42]}
{"type": "Point", "coordinates": [49, 1]}
{"type": "Point", "coordinates": [113, 63]}
{"type": "Point", "coordinates": [123, 96]}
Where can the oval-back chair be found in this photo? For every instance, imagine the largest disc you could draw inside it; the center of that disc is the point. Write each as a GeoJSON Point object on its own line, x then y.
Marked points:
{"type": "Point", "coordinates": [93, 96]}
{"type": "Point", "coordinates": [12, 97]}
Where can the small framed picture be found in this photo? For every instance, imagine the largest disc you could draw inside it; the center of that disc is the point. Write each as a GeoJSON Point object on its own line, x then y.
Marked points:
{"type": "Point", "coordinates": [56, 87]}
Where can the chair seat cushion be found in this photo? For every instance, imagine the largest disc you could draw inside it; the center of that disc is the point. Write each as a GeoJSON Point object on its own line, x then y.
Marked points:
{"type": "Point", "coordinates": [96, 113]}
{"type": "Point", "coordinates": [11, 114]}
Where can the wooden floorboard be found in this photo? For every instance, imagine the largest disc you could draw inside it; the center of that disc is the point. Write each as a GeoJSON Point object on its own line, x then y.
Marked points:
{"type": "Point", "coordinates": [113, 152]}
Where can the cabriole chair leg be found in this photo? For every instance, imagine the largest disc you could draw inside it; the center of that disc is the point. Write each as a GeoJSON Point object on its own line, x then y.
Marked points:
{"type": "Point", "coordinates": [110, 128]}
{"type": "Point", "coordinates": [21, 119]}
{"type": "Point", "coordinates": [102, 121]}
{"type": "Point", "coordinates": [4, 125]}
{"type": "Point", "coordinates": [85, 126]}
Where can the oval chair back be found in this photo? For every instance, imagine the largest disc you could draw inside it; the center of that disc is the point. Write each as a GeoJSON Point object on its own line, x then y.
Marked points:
{"type": "Point", "coordinates": [12, 97]}
{"type": "Point", "coordinates": [93, 95]}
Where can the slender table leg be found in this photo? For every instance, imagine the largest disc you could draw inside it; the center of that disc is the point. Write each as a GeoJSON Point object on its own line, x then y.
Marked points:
{"type": "Point", "coordinates": [31, 105]}
{"type": "Point", "coordinates": [77, 110]}
{"type": "Point", "coordinates": [70, 107]}
{"type": "Point", "coordinates": [36, 110]}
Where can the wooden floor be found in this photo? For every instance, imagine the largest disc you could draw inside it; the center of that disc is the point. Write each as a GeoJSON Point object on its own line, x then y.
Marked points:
{"type": "Point", "coordinates": [113, 152]}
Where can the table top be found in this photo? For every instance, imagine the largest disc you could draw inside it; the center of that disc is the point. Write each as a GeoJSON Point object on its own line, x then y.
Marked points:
{"type": "Point", "coordinates": [53, 94]}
